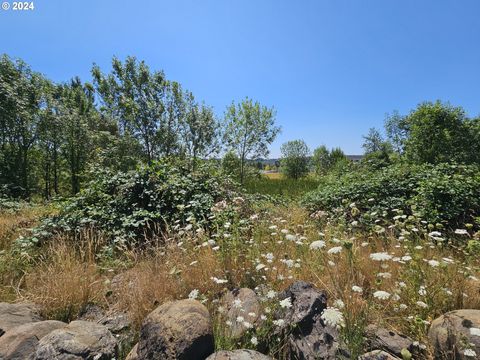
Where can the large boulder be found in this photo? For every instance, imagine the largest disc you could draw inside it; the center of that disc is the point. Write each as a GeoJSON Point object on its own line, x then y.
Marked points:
{"type": "Point", "coordinates": [390, 341]}
{"type": "Point", "coordinates": [307, 335]}
{"type": "Point", "coordinates": [240, 303]}
{"type": "Point", "coordinates": [176, 330]}
{"type": "Point", "coordinates": [21, 341]}
{"type": "Point", "coordinates": [238, 355]}
{"type": "Point", "coordinates": [12, 315]}
{"type": "Point", "coordinates": [78, 340]}
{"type": "Point", "coordinates": [456, 335]}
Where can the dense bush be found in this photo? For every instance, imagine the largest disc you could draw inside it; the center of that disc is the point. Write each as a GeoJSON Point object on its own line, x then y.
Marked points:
{"type": "Point", "coordinates": [128, 207]}
{"type": "Point", "coordinates": [444, 196]}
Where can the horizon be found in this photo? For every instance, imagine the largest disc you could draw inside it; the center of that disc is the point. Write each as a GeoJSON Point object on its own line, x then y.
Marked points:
{"type": "Point", "coordinates": [332, 70]}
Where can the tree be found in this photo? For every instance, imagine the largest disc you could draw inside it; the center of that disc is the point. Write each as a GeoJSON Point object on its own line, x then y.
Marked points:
{"type": "Point", "coordinates": [372, 141]}
{"type": "Point", "coordinates": [200, 130]}
{"type": "Point", "coordinates": [136, 97]}
{"type": "Point", "coordinates": [21, 101]}
{"type": "Point", "coordinates": [231, 163]}
{"type": "Point", "coordinates": [249, 129]}
{"type": "Point", "coordinates": [321, 160]}
{"type": "Point", "coordinates": [437, 132]}
{"type": "Point", "coordinates": [295, 159]}
{"type": "Point", "coordinates": [337, 156]}
{"type": "Point", "coordinates": [397, 131]}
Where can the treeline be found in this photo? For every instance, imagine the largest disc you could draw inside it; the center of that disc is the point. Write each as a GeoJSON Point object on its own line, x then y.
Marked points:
{"type": "Point", "coordinates": [53, 136]}
{"type": "Point", "coordinates": [432, 133]}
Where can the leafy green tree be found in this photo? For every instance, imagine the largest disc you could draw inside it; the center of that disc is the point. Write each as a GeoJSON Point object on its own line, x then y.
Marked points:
{"type": "Point", "coordinates": [200, 130]}
{"type": "Point", "coordinates": [21, 101]}
{"type": "Point", "coordinates": [435, 133]}
{"type": "Point", "coordinates": [321, 160]}
{"type": "Point", "coordinates": [231, 164]}
{"type": "Point", "coordinates": [249, 129]}
{"type": "Point", "coordinates": [397, 131]}
{"type": "Point", "coordinates": [295, 159]}
{"type": "Point", "coordinates": [136, 97]}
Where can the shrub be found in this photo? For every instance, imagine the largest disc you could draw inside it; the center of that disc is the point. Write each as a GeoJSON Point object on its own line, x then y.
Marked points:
{"type": "Point", "coordinates": [444, 195]}
{"type": "Point", "coordinates": [128, 207]}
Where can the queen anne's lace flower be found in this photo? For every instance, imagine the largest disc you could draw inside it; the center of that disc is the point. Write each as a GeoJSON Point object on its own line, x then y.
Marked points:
{"type": "Point", "coordinates": [335, 250]}
{"type": "Point", "coordinates": [381, 256]}
{"type": "Point", "coordinates": [286, 303]}
{"type": "Point", "coordinates": [317, 245]}
{"type": "Point", "coordinates": [469, 353]}
{"type": "Point", "coordinates": [333, 317]}
{"type": "Point", "coordinates": [382, 295]}
{"type": "Point", "coordinates": [357, 289]}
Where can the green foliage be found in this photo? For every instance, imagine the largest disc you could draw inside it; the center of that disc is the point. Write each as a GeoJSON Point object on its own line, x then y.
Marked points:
{"type": "Point", "coordinates": [445, 195]}
{"type": "Point", "coordinates": [325, 161]}
{"type": "Point", "coordinates": [249, 130]}
{"type": "Point", "coordinates": [434, 133]}
{"type": "Point", "coordinates": [295, 161]}
{"type": "Point", "coordinates": [128, 207]}
{"type": "Point", "coordinates": [283, 187]}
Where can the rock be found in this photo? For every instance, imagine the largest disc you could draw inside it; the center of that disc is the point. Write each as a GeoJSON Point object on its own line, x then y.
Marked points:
{"type": "Point", "coordinates": [307, 336]}
{"type": "Point", "coordinates": [238, 355]}
{"type": "Point", "coordinates": [378, 355]}
{"type": "Point", "coordinates": [456, 334]}
{"type": "Point", "coordinates": [78, 340]}
{"type": "Point", "coordinates": [390, 341]}
{"type": "Point", "coordinates": [12, 315]}
{"type": "Point", "coordinates": [133, 354]}
{"type": "Point", "coordinates": [176, 330]}
{"type": "Point", "coordinates": [21, 341]}
{"type": "Point", "coordinates": [241, 302]}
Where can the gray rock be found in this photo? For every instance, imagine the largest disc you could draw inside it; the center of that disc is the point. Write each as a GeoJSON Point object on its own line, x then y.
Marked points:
{"type": "Point", "coordinates": [390, 341]}
{"type": "Point", "coordinates": [176, 330]}
{"type": "Point", "coordinates": [12, 315]}
{"type": "Point", "coordinates": [378, 355]}
{"type": "Point", "coordinates": [238, 355]}
{"type": "Point", "coordinates": [455, 332]}
{"type": "Point", "coordinates": [249, 304]}
{"type": "Point", "coordinates": [78, 340]}
{"type": "Point", "coordinates": [307, 336]}
{"type": "Point", "coordinates": [21, 341]}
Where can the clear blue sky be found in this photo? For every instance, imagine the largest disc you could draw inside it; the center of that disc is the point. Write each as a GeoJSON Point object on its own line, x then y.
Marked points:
{"type": "Point", "coordinates": [332, 69]}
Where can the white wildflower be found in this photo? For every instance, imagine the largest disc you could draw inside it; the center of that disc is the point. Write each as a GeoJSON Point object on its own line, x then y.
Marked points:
{"type": "Point", "coordinates": [461, 232]}
{"type": "Point", "coordinates": [469, 353]}
{"type": "Point", "coordinates": [381, 256]}
{"type": "Point", "coordinates": [433, 263]}
{"type": "Point", "coordinates": [254, 341]}
{"type": "Point", "coordinates": [382, 295]}
{"type": "Point", "coordinates": [193, 294]}
{"type": "Point", "coordinates": [335, 250]}
{"type": "Point", "coordinates": [279, 322]}
{"type": "Point", "coordinates": [357, 289]}
{"type": "Point", "coordinates": [317, 245]}
{"type": "Point", "coordinates": [333, 317]}
{"type": "Point", "coordinates": [422, 304]}
{"type": "Point", "coordinates": [286, 303]}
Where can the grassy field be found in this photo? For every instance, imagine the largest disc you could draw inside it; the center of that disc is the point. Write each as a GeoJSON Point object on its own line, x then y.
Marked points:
{"type": "Point", "coordinates": [278, 185]}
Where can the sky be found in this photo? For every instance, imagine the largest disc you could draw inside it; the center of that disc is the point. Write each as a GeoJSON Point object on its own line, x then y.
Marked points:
{"type": "Point", "coordinates": [331, 68]}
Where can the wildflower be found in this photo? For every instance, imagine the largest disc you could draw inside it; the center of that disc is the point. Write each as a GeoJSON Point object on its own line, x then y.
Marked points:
{"type": "Point", "coordinates": [335, 250]}
{"type": "Point", "coordinates": [469, 353]}
{"type": "Point", "coordinates": [237, 303]}
{"type": "Point", "coordinates": [271, 294]}
{"type": "Point", "coordinates": [382, 295]}
{"type": "Point", "coordinates": [433, 263]}
{"type": "Point", "coordinates": [228, 322]}
{"type": "Point", "coordinates": [254, 341]}
{"type": "Point", "coordinates": [279, 322]}
{"type": "Point", "coordinates": [333, 317]}
{"type": "Point", "coordinates": [406, 258]}
{"type": "Point", "coordinates": [385, 275]}
{"type": "Point", "coordinates": [461, 232]}
{"type": "Point", "coordinates": [269, 257]}
{"type": "Point", "coordinates": [252, 314]}
{"type": "Point", "coordinates": [357, 289]}
{"type": "Point", "coordinates": [290, 237]}
{"type": "Point", "coordinates": [382, 256]}
{"type": "Point", "coordinates": [286, 303]}
{"type": "Point", "coordinates": [422, 291]}
{"type": "Point", "coordinates": [317, 245]}
{"type": "Point", "coordinates": [273, 227]}
{"type": "Point", "coordinates": [219, 281]}
{"type": "Point", "coordinates": [193, 294]}
{"type": "Point", "coordinates": [240, 319]}
{"type": "Point", "coordinates": [403, 306]}
{"type": "Point", "coordinates": [422, 304]}
{"type": "Point", "coordinates": [364, 244]}
{"type": "Point", "coordinates": [284, 231]}
{"type": "Point", "coordinates": [247, 325]}
{"type": "Point", "coordinates": [339, 304]}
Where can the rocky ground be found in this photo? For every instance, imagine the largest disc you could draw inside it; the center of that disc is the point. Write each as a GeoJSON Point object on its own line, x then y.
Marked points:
{"type": "Point", "coordinates": [183, 329]}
